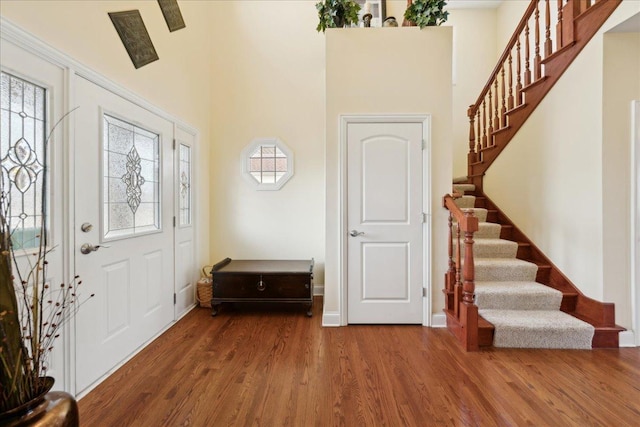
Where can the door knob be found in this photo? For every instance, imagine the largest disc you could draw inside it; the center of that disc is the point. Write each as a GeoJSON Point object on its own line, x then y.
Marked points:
{"type": "Point", "coordinates": [356, 233]}
{"type": "Point", "coordinates": [87, 248]}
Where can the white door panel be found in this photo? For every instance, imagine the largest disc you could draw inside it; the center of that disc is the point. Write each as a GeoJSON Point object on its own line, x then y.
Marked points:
{"type": "Point", "coordinates": [187, 272]}
{"type": "Point", "coordinates": [384, 218]}
{"type": "Point", "coordinates": [131, 273]}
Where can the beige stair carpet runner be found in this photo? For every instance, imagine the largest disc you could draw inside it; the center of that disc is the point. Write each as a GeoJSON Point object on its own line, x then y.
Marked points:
{"type": "Point", "coordinates": [525, 314]}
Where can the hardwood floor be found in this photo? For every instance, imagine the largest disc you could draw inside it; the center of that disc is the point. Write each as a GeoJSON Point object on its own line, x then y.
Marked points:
{"type": "Point", "coordinates": [253, 367]}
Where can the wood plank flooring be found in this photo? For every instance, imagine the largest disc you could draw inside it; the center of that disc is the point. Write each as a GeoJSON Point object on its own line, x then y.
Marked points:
{"type": "Point", "coordinates": [251, 367]}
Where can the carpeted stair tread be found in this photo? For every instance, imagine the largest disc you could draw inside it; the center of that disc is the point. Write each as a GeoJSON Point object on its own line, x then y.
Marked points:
{"type": "Point", "coordinates": [465, 202]}
{"type": "Point", "coordinates": [500, 295]}
{"type": "Point", "coordinates": [504, 269]}
{"type": "Point", "coordinates": [538, 329]}
{"type": "Point", "coordinates": [486, 230]}
{"type": "Point", "coordinates": [480, 213]}
{"type": "Point", "coordinates": [464, 188]}
{"type": "Point", "coordinates": [491, 248]}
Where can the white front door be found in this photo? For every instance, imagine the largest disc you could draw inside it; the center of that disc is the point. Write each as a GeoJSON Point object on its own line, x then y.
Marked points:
{"type": "Point", "coordinates": [124, 247]}
{"type": "Point", "coordinates": [385, 222]}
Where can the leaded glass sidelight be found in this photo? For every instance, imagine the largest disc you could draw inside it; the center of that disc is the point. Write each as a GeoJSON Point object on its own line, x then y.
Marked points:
{"type": "Point", "coordinates": [22, 149]}
{"type": "Point", "coordinates": [185, 184]}
{"type": "Point", "coordinates": [267, 163]}
{"type": "Point", "coordinates": [131, 179]}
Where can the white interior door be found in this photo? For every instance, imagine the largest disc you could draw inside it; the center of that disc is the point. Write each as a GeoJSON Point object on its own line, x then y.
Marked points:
{"type": "Point", "coordinates": [385, 222]}
{"type": "Point", "coordinates": [124, 210]}
{"type": "Point", "coordinates": [186, 269]}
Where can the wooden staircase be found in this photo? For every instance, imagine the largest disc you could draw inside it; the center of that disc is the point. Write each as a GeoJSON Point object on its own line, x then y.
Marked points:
{"type": "Point", "coordinates": [600, 315]}
{"type": "Point", "coordinates": [529, 67]}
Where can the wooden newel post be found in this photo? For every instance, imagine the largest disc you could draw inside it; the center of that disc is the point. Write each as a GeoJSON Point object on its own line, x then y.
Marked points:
{"type": "Point", "coordinates": [468, 309]}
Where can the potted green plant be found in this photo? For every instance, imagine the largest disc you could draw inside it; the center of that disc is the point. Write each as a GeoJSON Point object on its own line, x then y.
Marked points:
{"type": "Point", "coordinates": [32, 311]}
{"type": "Point", "coordinates": [336, 13]}
{"type": "Point", "coordinates": [425, 13]}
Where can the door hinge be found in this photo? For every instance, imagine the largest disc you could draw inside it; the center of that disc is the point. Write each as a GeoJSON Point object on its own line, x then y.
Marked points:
{"type": "Point", "coordinates": [175, 298]}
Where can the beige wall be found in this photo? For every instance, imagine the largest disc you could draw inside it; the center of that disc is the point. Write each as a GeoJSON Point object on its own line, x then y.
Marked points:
{"type": "Point", "coordinates": [178, 83]}
{"type": "Point", "coordinates": [474, 56]}
{"type": "Point", "coordinates": [555, 164]}
{"type": "Point", "coordinates": [508, 16]}
{"type": "Point", "coordinates": [268, 81]}
{"type": "Point", "coordinates": [621, 86]}
{"type": "Point", "coordinates": [474, 35]}
{"type": "Point", "coordinates": [405, 79]}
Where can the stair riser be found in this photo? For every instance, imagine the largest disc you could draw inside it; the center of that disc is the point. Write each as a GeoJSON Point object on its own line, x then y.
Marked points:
{"type": "Point", "coordinates": [524, 252]}
{"type": "Point", "coordinates": [542, 276]}
{"type": "Point", "coordinates": [479, 213]}
{"type": "Point", "coordinates": [516, 302]}
{"type": "Point", "coordinates": [482, 251]}
{"type": "Point", "coordinates": [506, 232]}
{"type": "Point", "coordinates": [542, 339]}
{"type": "Point", "coordinates": [505, 273]}
{"type": "Point", "coordinates": [466, 202]}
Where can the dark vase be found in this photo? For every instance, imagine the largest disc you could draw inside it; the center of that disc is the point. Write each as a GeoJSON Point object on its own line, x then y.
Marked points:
{"type": "Point", "coordinates": [49, 409]}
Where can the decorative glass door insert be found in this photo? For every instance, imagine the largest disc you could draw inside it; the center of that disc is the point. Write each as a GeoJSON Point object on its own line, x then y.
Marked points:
{"type": "Point", "coordinates": [23, 150]}
{"type": "Point", "coordinates": [131, 179]}
{"type": "Point", "coordinates": [185, 185]}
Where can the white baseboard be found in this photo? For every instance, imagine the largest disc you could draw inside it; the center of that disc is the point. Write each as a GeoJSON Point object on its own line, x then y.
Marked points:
{"type": "Point", "coordinates": [627, 339]}
{"type": "Point", "coordinates": [439, 321]}
{"type": "Point", "coordinates": [331, 319]}
{"type": "Point", "coordinates": [318, 290]}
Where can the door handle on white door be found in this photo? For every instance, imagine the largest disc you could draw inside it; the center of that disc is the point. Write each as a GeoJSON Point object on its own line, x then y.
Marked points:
{"type": "Point", "coordinates": [87, 248]}
{"type": "Point", "coordinates": [356, 233]}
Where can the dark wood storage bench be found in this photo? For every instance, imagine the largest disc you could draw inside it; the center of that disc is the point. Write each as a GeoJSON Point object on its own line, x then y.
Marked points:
{"type": "Point", "coordinates": [273, 281]}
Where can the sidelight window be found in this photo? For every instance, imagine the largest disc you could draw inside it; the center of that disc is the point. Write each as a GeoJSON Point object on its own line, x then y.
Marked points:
{"type": "Point", "coordinates": [22, 150]}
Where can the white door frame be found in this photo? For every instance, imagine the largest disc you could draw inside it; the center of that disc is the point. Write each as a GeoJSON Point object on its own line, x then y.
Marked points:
{"type": "Point", "coordinates": [635, 218]}
{"type": "Point", "coordinates": [425, 120]}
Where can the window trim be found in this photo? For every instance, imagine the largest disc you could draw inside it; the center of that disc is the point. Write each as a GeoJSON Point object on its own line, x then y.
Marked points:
{"type": "Point", "coordinates": [246, 155]}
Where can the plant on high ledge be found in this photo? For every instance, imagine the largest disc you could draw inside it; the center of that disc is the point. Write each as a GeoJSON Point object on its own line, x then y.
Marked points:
{"type": "Point", "coordinates": [336, 13]}
{"type": "Point", "coordinates": [426, 13]}
{"type": "Point", "coordinates": [32, 310]}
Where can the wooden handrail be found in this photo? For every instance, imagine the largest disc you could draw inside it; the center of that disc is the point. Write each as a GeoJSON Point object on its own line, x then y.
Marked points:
{"type": "Point", "coordinates": [505, 55]}
{"type": "Point", "coordinates": [496, 115]}
{"type": "Point", "coordinates": [468, 222]}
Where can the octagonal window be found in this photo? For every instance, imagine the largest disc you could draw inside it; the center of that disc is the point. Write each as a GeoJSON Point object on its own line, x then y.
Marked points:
{"type": "Point", "coordinates": [267, 163]}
